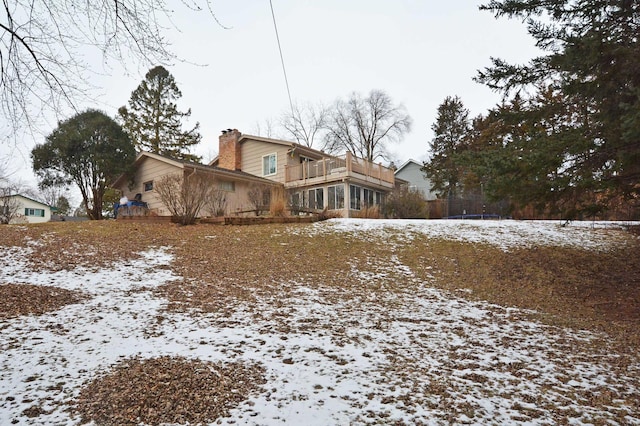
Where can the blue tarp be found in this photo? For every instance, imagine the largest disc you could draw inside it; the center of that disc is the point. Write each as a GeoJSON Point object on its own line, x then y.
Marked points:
{"type": "Point", "coordinates": [128, 205]}
{"type": "Point", "coordinates": [475, 216]}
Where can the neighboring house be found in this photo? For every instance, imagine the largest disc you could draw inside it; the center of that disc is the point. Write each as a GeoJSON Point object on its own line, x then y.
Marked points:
{"type": "Point", "coordinates": [311, 179]}
{"type": "Point", "coordinates": [20, 209]}
{"type": "Point", "coordinates": [411, 172]}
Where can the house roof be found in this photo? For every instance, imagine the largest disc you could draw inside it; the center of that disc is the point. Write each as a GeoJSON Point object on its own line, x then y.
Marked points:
{"type": "Point", "coordinates": [231, 174]}
{"type": "Point", "coordinates": [300, 149]}
{"type": "Point", "coordinates": [406, 163]}
{"type": "Point", "coordinates": [305, 150]}
{"type": "Point", "coordinates": [30, 199]}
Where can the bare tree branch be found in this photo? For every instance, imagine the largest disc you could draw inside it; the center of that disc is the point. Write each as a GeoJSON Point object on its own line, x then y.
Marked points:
{"type": "Point", "coordinates": [186, 193]}
{"type": "Point", "coordinates": [306, 123]}
{"type": "Point", "coordinates": [43, 44]}
{"type": "Point", "coordinates": [364, 126]}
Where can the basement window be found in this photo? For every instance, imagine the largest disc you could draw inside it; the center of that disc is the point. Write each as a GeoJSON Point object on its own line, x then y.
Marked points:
{"type": "Point", "coordinates": [227, 186]}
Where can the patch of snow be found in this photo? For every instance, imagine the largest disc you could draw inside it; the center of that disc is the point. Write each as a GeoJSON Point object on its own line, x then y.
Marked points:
{"type": "Point", "coordinates": [505, 234]}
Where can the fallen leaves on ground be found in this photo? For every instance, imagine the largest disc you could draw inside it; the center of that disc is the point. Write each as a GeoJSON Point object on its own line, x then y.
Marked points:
{"type": "Point", "coordinates": [224, 269]}
{"type": "Point", "coordinates": [25, 299]}
{"type": "Point", "coordinates": [167, 390]}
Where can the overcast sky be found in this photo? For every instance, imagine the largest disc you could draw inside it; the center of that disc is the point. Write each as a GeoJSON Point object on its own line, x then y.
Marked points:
{"type": "Point", "coordinates": [417, 51]}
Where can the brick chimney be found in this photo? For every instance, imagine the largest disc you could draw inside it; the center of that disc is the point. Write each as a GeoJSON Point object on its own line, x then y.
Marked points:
{"type": "Point", "coordinates": [229, 150]}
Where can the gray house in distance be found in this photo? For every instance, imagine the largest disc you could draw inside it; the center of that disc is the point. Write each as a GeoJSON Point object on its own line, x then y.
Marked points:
{"type": "Point", "coordinates": [410, 172]}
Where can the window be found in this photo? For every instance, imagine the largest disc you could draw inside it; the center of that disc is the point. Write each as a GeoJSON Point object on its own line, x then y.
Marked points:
{"type": "Point", "coordinates": [148, 186]}
{"type": "Point", "coordinates": [335, 197]}
{"type": "Point", "coordinates": [266, 196]}
{"type": "Point", "coordinates": [269, 165]}
{"type": "Point", "coordinates": [316, 198]}
{"type": "Point", "coordinates": [295, 200]}
{"type": "Point", "coordinates": [368, 197]}
{"type": "Point", "coordinates": [227, 186]}
{"type": "Point", "coordinates": [378, 200]}
{"type": "Point", "coordinates": [34, 212]}
{"type": "Point", "coordinates": [354, 197]}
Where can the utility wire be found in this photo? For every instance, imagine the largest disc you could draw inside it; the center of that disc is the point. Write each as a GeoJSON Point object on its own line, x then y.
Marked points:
{"type": "Point", "coordinates": [284, 70]}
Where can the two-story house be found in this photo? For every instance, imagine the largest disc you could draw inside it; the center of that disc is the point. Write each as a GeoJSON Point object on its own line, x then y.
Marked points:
{"type": "Point", "coordinates": [312, 180]}
{"type": "Point", "coordinates": [411, 172]}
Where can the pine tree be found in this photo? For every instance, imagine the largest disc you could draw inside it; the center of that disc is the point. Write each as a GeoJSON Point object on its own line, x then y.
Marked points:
{"type": "Point", "coordinates": [592, 69]}
{"type": "Point", "coordinates": [153, 120]}
{"type": "Point", "coordinates": [451, 129]}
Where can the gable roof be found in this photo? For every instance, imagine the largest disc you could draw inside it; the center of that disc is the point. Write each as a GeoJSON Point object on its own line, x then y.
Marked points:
{"type": "Point", "coordinates": [182, 164]}
{"type": "Point", "coordinates": [294, 146]}
{"type": "Point", "coordinates": [28, 198]}
{"type": "Point", "coordinates": [406, 163]}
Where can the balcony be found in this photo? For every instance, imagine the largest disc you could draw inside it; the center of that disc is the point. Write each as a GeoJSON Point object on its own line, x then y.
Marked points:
{"type": "Point", "coordinates": [336, 168]}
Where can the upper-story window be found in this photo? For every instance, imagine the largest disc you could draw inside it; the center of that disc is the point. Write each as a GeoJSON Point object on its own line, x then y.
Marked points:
{"type": "Point", "coordinates": [148, 186]}
{"type": "Point", "coordinates": [269, 165]}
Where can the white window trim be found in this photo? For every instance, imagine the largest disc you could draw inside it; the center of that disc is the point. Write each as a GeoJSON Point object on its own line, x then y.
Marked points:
{"type": "Point", "coordinates": [34, 212]}
{"type": "Point", "coordinates": [275, 155]}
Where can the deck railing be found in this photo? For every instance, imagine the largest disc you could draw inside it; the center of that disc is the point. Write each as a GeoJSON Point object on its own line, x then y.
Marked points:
{"type": "Point", "coordinates": [345, 165]}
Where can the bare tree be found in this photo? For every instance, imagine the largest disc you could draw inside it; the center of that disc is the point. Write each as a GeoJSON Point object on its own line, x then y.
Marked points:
{"type": "Point", "coordinates": [185, 194]}
{"type": "Point", "coordinates": [364, 126]}
{"type": "Point", "coordinates": [266, 128]}
{"type": "Point", "coordinates": [260, 197]}
{"type": "Point", "coordinates": [306, 123]}
{"type": "Point", "coordinates": [50, 195]}
{"type": "Point", "coordinates": [9, 206]}
{"type": "Point", "coordinates": [43, 43]}
{"type": "Point", "coordinates": [216, 202]}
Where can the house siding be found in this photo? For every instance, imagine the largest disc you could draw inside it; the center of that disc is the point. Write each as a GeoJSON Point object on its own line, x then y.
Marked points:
{"type": "Point", "coordinates": [236, 202]}
{"type": "Point", "coordinates": [26, 203]}
{"type": "Point", "coordinates": [411, 173]}
{"type": "Point", "coordinates": [236, 194]}
{"type": "Point", "coordinates": [252, 153]}
{"type": "Point", "coordinates": [150, 170]}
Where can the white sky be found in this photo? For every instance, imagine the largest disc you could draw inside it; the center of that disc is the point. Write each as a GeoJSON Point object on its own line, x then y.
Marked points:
{"type": "Point", "coordinates": [418, 52]}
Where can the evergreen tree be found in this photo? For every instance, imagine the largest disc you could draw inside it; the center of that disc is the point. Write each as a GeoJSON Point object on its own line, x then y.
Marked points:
{"type": "Point", "coordinates": [153, 120]}
{"type": "Point", "coordinates": [451, 128]}
{"type": "Point", "coordinates": [63, 206]}
{"type": "Point", "coordinates": [90, 150]}
{"type": "Point", "coordinates": [526, 150]}
{"type": "Point", "coordinates": [590, 112]}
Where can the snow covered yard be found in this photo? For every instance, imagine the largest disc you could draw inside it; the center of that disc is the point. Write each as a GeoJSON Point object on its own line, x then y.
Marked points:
{"type": "Point", "coordinates": [383, 346]}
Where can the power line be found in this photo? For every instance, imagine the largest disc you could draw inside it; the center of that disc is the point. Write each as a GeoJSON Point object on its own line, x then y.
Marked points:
{"type": "Point", "coordinates": [284, 70]}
